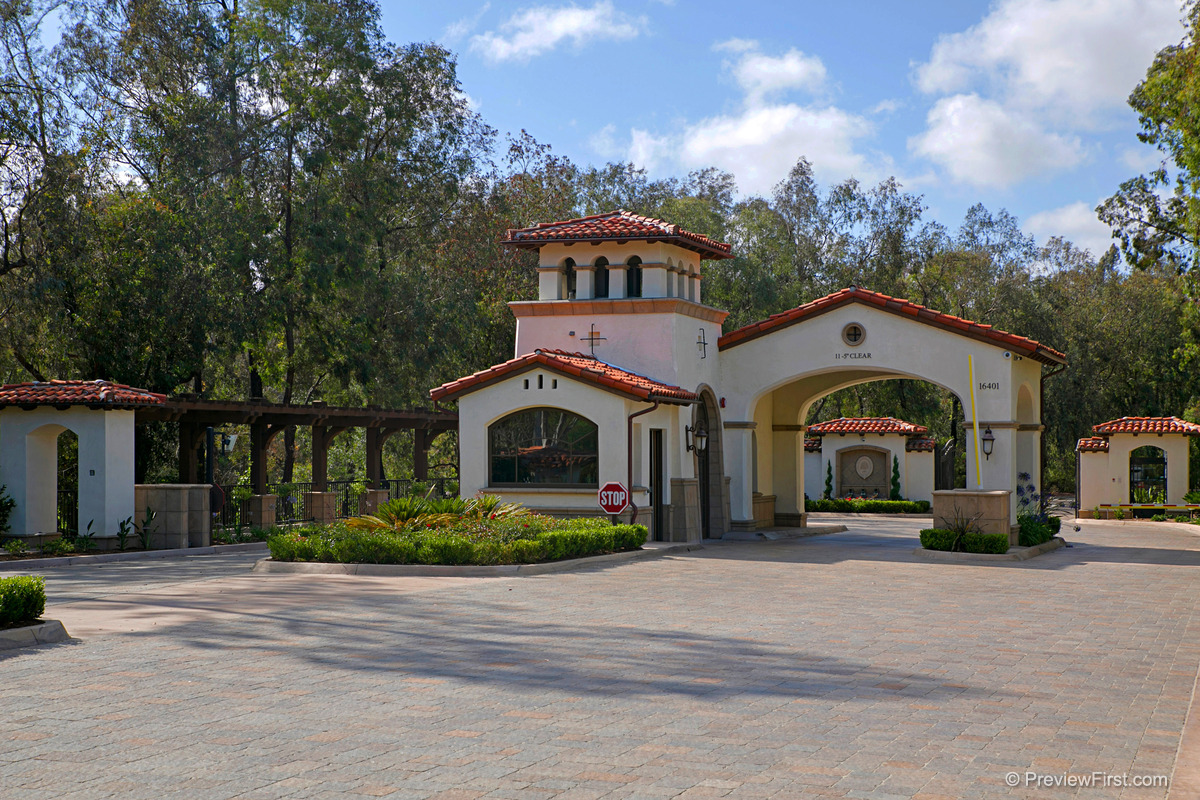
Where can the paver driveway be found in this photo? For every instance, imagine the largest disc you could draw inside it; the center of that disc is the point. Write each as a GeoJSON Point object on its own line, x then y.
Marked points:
{"type": "Point", "coordinates": [836, 666]}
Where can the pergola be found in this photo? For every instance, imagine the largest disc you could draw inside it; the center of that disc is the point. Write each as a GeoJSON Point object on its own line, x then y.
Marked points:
{"type": "Point", "coordinates": [267, 420]}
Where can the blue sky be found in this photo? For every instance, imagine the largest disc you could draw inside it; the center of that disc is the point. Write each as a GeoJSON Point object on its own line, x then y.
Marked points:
{"type": "Point", "coordinates": [1018, 104]}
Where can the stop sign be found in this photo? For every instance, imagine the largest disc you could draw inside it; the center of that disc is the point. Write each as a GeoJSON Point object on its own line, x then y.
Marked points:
{"type": "Point", "coordinates": [613, 497]}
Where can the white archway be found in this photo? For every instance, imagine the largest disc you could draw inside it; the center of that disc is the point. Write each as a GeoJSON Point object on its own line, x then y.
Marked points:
{"type": "Point", "coordinates": [776, 369]}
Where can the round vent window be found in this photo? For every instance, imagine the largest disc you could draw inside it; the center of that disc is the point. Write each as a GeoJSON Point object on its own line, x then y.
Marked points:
{"type": "Point", "coordinates": [854, 334]}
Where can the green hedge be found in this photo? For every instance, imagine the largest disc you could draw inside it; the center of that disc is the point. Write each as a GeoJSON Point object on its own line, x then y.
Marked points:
{"type": "Point", "coordinates": [22, 599]}
{"type": "Point", "coordinates": [844, 506]}
{"type": "Point", "coordinates": [1036, 531]}
{"type": "Point", "coordinates": [941, 539]}
{"type": "Point", "coordinates": [540, 539]}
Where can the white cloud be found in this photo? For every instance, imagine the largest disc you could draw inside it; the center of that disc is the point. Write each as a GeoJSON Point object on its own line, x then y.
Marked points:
{"type": "Point", "coordinates": [1141, 159]}
{"type": "Point", "coordinates": [604, 142]}
{"type": "Point", "coordinates": [885, 107]}
{"type": "Point", "coordinates": [1076, 222]}
{"type": "Point", "coordinates": [763, 139]}
{"type": "Point", "coordinates": [736, 45]}
{"type": "Point", "coordinates": [1071, 58]}
{"type": "Point", "coordinates": [761, 75]}
{"type": "Point", "coordinates": [534, 31]}
{"type": "Point", "coordinates": [458, 30]}
{"type": "Point", "coordinates": [1022, 85]}
{"type": "Point", "coordinates": [979, 142]}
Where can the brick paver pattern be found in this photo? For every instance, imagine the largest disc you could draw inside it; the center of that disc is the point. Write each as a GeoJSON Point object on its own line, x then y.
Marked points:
{"type": "Point", "coordinates": [834, 666]}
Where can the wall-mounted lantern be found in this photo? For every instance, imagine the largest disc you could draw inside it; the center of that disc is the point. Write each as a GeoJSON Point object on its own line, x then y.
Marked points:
{"type": "Point", "coordinates": [697, 438]}
{"type": "Point", "coordinates": [987, 442]}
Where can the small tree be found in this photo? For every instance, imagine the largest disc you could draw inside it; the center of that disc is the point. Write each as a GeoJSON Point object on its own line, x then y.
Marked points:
{"type": "Point", "coordinates": [828, 480]}
{"type": "Point", "coordinates": [895, 495]}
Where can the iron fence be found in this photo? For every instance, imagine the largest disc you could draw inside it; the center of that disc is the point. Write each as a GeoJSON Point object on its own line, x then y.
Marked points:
{"type": "Point", "coordinates": [68, 511]}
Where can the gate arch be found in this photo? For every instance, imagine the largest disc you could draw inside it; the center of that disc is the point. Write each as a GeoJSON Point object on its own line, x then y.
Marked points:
{"type": "Point", "coordinates": [776, 369]}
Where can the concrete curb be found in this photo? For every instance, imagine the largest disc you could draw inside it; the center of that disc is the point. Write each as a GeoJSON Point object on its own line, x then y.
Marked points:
{"type": "Point", "coordinates": [270, 566]}
{"type": "Point", "coordinates": [27, 564]}
{"type": "Point", "coordinates": [781, 534]}
{"type": "Point", "coordinates": [45, 632]}
{"type": "Point", "coordinates": [1021, 554]}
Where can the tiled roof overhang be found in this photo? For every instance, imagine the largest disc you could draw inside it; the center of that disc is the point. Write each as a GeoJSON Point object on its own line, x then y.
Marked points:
{"type": "Point", "coordinates": [62, 394]}
{"type": "Point", "coordinates": [572, 365]}
{"type": "Point", "coordinates": [1093, 444]}
{"type": "Point", "coordinates": [1147, 425]}
{"type": "Point", "coordinates": [844, 425]}
{"type": "Point", "coordinates": [616, 226]}
{"type": "Point", "coordinates": [900, 307]}
{"type": "Point", "coordinates": [920, 444]}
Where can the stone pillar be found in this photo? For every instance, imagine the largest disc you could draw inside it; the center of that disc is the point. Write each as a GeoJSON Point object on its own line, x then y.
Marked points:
{"type": "Point", "coordinates": [985, 511]}
{"type": "Point", "coordinates": [322, 505]}
{"type": "Point", "coordinates": [372, 500]}
{"type": "Point", "coordinates": [259, 510]}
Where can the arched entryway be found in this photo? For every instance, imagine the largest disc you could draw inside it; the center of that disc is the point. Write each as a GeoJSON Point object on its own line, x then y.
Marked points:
{"type": "Point", "coordinates": [776, 369]}
{"type": "Point", "coordinates": [1148, 475]}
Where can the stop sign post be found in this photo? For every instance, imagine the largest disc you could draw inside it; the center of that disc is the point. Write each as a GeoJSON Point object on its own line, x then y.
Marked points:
{"type": "Point", "coordinates": [613, 497]}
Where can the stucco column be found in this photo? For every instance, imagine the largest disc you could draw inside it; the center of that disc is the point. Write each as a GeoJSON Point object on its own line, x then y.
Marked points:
{"type": "Point", "coordinates": [106, 471]}
{"type": "Point", "coordinates": [654, 280]}
{"type": "Point", "coordinates": [616, 281]}
{"type": "Point", "coordinates": [997, 472]}
{"type": "Point", "coordinates": [585, 282]}
{"type": "Point", "coordinates": [738, 454]}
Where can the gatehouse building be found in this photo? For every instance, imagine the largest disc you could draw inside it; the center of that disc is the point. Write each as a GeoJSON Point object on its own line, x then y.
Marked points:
{"type": "Point", "coordinates": [622, 373]}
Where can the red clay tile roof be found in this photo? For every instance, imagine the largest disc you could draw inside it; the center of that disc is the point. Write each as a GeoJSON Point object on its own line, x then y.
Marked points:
{"type": "Point", "coordinates": [921, 444]}
{"type": "Point", "coordinates": [894, 305]}
{"type": "Point", "coordinates": [77, 393]}
{"type": "Point", "coordinates": [845, 425]}
{"type": "Point", "coordinates": [1094, 444]}
{"type": "Point", "coordinates": [616, 226]}
{"type": "Point", "coordinates": [574, 365]}
{"type": "Point", "coordinates": [812, 445]}
{"type": "Point", "coordinates": [1147, 425]}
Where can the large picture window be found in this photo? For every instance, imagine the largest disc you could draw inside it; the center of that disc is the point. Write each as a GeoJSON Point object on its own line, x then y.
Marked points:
{"type": "Point", "coordinates": [545, 446]}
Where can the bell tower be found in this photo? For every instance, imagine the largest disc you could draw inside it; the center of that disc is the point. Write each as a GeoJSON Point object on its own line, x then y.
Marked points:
{"type": "Point", "coordinates": [625, 288]}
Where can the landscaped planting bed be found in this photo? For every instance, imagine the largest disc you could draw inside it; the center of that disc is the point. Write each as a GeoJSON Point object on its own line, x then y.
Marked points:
{"type": "Point", "coordinates": [843, 505]}
{"type": "Point", "coordinates": [964, 541]}
{"type": "Point", "coordinates": [412, 531]}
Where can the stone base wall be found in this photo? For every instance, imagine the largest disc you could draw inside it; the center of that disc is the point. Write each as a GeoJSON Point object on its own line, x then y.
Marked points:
{"type": "Point", "coordinates": [791, 520]}
{"type": "Point", "coordinates": [684, 513]}
{"type": "Point", "coordinates": [259, 510]}
{"type": "Point", "coordinates": [764, 510]}
{"type": "Point", "coordinates": [988, 512]}
{"type": "Point", "coordinates": [322, 505]}
{"type": "Point", "coordinates": [183, 515]}
{"type": "Point", "coordinates": [370, 502]}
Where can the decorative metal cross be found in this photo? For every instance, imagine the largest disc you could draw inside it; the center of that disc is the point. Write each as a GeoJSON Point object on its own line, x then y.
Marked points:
{"type": "Point", "coordinates": [702, 344]}
{"type": "Point", "coordinates": [593, 337]}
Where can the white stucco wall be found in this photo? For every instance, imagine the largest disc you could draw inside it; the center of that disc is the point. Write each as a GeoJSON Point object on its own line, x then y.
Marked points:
{"type": "Point", "coordinates": [1097, 486]}
{"type": "Point", "coordinates": [29, 466]}
{"type": "Point", "coordinates": [609, 411]}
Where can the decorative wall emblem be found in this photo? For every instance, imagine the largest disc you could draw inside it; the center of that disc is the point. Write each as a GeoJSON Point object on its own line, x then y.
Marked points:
{"type": "Point", "coordinates": [864, 467]}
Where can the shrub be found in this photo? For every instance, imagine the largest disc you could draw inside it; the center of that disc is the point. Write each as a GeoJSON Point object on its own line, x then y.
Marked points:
{"type": "Point", "coordinates": [968, 541]}
{"type": "Point", "coordinates": [22, 599]}
{"type": "Point", "coordinates": [7, 505]}
{"type": "Point", "coordinates": [828, 480]}
{"type": "Point", "coordinates": [58, 547]}
{"type": "Point", "coordinates": [938, 539]}
{"type": "Point", "coordinates": [1118, 513]}
{"type": "Point", "coordinates": [849, 506]}
{"type": "Point", "coordinates": [16, 547]}
{"type": "Point", "coordinates": [986, 543]}
{"type": "Point", "coordinates": [895, 492]}
{"type": "Point", "coordinates": [1158, 518]}
{"type": "Point", "coordinates": [1034, 531]}
{"type": "Point", "coordinates": [1192, 497]}
{"type": "Point", "coordinates": [1055, 524]}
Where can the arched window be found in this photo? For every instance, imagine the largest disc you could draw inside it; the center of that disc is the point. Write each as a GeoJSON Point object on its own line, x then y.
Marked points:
{"type": "Point", "coordinates": [1148, 475]}
{"type": "Point", "coordinates": [633, 277]}
{"type": "Point", "coordinates": [569, 278]}
{"type": "Point", "coordinates": [544, 446]}
{"type": "Point", "coordinates": [601, 277]}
